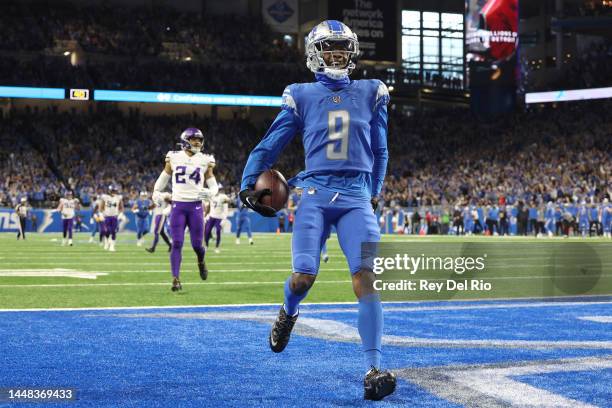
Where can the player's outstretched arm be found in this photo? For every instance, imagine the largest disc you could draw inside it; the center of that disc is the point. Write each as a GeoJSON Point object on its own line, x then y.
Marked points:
{"type": "Point", "coordinates": [162, 180]}
{"type": "Point", "coordinates": [284, 128]}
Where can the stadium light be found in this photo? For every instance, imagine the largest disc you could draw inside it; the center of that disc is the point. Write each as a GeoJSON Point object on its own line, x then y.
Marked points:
{"type": "Point", "coordinates": [568, 95]}
{"type": "Point", "coordinates": [186, 98]}
{"type": "Point", "coordinates": [66, 53]}
{"type": "Point", "coordinates": [31, 93]}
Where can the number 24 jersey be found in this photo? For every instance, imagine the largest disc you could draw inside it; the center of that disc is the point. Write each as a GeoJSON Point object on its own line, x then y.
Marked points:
{"type": "Point", "coordinates": [188, 174]}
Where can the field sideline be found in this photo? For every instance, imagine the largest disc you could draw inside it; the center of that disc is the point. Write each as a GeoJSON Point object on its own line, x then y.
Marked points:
{"type": "Point", "coordinates": [238, 275]}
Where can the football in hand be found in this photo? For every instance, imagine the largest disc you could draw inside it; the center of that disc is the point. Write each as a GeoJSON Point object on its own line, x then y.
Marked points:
{"type": "Point", "coordinates": [273, 180]}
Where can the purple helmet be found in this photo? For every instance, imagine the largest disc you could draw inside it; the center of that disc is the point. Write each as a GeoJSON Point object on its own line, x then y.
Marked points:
{"type": "Point", "coordinates": [191, 133]}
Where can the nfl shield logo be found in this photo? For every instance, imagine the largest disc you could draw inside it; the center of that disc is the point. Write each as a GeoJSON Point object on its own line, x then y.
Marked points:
{"type": "Point", "coordinates": [336, 99]}
{"type": "Point", "coordinates": [280, 11]}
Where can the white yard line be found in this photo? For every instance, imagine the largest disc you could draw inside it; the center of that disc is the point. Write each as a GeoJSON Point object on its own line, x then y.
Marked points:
{"type": "Point", "coordinates": [484, 304]}
{"type": "Point", "coordinates": [69, 285]}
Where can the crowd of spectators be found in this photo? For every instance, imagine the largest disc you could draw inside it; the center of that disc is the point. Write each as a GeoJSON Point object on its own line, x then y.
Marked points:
{"type": "Point", "coordinates": [591, 68]}
{"type": "Point", "coordinates": [437, 158]}
{"type": "Point", "coordinates": [155, 48]}
{"type": "Point", "coordinates": [139, 31]}
{"type": "Point", "coordinates": [160, 48]}
{"type": "Point", "coordinates": [162, 75]}
{"type": "Point", "coordinates": [446, 156]}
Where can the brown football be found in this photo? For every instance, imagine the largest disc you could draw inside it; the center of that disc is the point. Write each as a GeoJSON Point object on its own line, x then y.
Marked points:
{"type": "Point", "coordinates": [275, 181]}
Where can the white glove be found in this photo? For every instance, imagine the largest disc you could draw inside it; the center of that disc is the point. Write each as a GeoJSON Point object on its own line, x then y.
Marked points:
{"type": "Point", "coordinates": [205, 194]}
{"type": "Point", "coordinates": [166, 211]}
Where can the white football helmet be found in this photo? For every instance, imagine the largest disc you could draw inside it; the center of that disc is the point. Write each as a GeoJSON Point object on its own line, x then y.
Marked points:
{"type": "Point", "coordinates": [327, 37]}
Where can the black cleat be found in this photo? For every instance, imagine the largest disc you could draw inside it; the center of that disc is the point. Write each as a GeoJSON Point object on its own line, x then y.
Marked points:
{"type": "Point", "coordinates": [281, 330]}
{"type": "Point", "coordinates": [176, 285]}
{"type": "Point", "coordinates": [378, 384]}
{"type": "Point", "coordinates": [150, 250]}
{"type": "Point", "coordinates": [325, 258]}
{"type": "Point", "coordinates": [203, 270]}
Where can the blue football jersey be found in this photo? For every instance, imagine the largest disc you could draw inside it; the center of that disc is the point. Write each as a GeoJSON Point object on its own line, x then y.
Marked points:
{"type": "Point", "coordinates": [344, 133]}
{"type": "Point", "coordinates": [143, 208]}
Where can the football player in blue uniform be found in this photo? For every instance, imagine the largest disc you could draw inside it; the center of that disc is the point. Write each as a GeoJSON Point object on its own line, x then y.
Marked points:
{"type": "Point", "coordinates": [141, 208]}
{"type": "Point", "coordinates": [344, 132]}
{"type": "Point", "coordinates": [243, 222]}
{"type": "Point", "coordinates": [583, 219]}
{"type": "Point", "coordinates": [606, 218]}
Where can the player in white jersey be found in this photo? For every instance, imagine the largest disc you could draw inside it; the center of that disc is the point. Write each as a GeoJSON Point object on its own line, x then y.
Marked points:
{"type": "Point", "coordinates": [112, 206]}
{"type": "Point", "coordinates": [97, 219]}
{"type": "Point", "coordinates": [160, 213]}
{"type": "Point", "coordinates": [218, 212]}
{"type": "Point", "coordinates": [68, 207]}
{"type": "Point", "coordinates": [189, 170]}
{"type": "Point", "coordinates": [22, 209]}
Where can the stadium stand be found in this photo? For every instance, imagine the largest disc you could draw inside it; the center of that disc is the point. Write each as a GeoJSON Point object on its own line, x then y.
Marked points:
{"type": "Point", "coordinates": [539, 155]}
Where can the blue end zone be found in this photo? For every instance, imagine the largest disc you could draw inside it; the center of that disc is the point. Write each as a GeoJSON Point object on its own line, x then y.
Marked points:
{"type": "Point", "coordinates": [579, 385]}
{"type": "Point", "coordinates": [219, 356]}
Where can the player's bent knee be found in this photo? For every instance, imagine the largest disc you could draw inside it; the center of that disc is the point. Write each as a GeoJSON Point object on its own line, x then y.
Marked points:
{"type": "Point", "coordinates": [177, 244]}
{"type": "Point", "coordinates": [304, 264]}
{"type": "Point", "coordinates": [363, 283]}
{"type": "Point", "coordinates": [301, 282]}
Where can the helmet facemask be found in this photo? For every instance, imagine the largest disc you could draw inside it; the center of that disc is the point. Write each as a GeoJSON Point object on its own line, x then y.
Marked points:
{"type": "Point", "coordinates": [194, 149]}
{"type": "Point", "coordinates": [186, 140]}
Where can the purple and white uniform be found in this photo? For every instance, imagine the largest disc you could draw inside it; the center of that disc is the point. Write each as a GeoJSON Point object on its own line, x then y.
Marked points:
{"type": "Point", "coordinates": [187, 211]}
{"type": "Point", "coordinates": [111, 212]}
{"type": "Point", "coordinates": [68, 207]}
{"type": "Point", "coordinates": [218, 212]}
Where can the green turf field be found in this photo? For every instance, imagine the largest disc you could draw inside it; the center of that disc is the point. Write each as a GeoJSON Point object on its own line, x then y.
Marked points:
{"type": "Point", "coordinates": [255, 274]}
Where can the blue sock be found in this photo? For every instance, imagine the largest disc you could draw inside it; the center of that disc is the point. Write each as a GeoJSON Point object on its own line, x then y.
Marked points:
{"type": "Point", "coordinates": [370, 324]}
{"type": "Point", "coordinates": [292, 301]}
